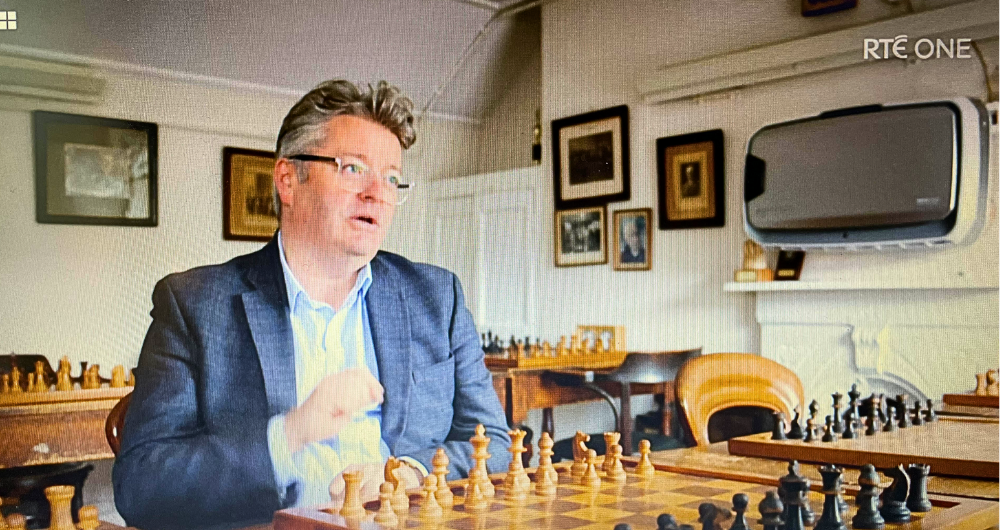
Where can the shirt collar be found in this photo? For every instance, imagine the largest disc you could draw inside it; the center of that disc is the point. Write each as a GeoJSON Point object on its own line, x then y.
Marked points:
{"type": "Point", "coordinates": [294, 288]}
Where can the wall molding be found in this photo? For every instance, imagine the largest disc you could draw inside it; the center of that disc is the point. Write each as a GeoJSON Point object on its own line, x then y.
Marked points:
{"type": "Point", "coordinates": [976, 20]}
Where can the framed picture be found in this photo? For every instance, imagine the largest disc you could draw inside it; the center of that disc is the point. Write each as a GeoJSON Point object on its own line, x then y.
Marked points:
{"type": "Point", "coordinates": [633, 240]}
{"type": "Point", "coordinates": [590, 158]}
{"type": "Point", "coordinates": [96, 171]}
{"type": "Point", "coordinates": [248, 212]}
{"type": "Point", "coordinates": [580, 237]}
{"type": "Point", "coordinates": [691, 184]}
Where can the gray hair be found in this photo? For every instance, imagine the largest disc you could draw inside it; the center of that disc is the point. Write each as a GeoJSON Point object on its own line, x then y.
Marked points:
{"type": "Point", "coordinates": [304, 127]}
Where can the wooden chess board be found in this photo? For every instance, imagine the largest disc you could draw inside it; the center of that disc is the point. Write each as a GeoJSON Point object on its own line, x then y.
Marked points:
{"type": "Point", "coordinates": [963, 448]}
{"type": "Point", "coordinates": [972, 400]}
{"type": "Point", "coordinates": [637, 502]}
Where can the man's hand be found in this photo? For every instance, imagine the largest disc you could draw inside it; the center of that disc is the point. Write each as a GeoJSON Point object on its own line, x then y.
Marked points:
{"type": "Point", "coordinates": [330, 407]}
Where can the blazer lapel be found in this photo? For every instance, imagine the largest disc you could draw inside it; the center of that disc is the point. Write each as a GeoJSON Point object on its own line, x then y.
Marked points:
{"type": "Point", "coordinates": [390, 326]}
{"type": "Point", "coordinates": [267, 314]}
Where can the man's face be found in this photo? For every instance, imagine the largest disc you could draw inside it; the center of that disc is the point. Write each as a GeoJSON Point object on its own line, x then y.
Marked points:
{"type": "Point", "coordinates": [332, 218]}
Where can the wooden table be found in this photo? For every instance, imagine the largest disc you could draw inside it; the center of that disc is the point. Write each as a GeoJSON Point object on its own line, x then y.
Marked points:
{"type": "Point", "coordinates": [715, 459]}
{"type": "Point", "coordinates": [523, 390]}
{"type": "Point", "coordinates": [56, 427]}
{"type": "Point", "coordinates": [965, 447]}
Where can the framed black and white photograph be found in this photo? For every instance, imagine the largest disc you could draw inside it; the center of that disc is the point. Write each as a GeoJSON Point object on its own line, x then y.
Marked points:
{"type": "Point", "coordinates": [691, 180]}
{"type": "Point", "coordinates": [248, 212]}
{"type": "Point", "coordinates": [590, 156]}
{"type": "Point", "coordinates": [581, 237]}
{"type": "Point", "coordinates": [633, 240]}
{"type": "Point", "coordinates": [91, 170]}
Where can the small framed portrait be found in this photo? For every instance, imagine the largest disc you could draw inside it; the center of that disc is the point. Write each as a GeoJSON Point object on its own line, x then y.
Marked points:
{"type": "Point", "coordinates": [691, 184]}
{"type": "Point", "coordinates": [590, 158]}
{"type": "Point", "coordinates": [633, 240]}
{"type": "Point", "coordinates": [580, 237]}
{"type": "Point", "coordinates": [248, 212]}
{"type": "Point", "coordinates": [96, 171]}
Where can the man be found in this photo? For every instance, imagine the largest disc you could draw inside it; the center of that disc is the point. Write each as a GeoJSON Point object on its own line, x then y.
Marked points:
{"type": "Point", "coordinates": [262, 379]}
{"type": "Point", "coordinates": [633, 246]}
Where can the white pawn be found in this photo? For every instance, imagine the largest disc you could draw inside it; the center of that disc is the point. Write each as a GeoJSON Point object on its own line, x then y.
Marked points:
{"type": "Point", "coordinates": [385, 516]}
{"type": "Point", "coordinates": [429, 508]}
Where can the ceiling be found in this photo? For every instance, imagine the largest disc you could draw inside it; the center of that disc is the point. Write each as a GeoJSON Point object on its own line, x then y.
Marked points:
{"type": "Point", "coordinates": [468, 50]}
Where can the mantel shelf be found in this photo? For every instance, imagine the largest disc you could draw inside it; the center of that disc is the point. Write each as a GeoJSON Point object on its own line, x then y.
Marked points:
{"type": "Point", "coordinates": [749, 287]}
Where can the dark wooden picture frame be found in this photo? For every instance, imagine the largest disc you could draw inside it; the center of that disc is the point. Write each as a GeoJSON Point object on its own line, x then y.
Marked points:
{"type": "Point", "coordinates": [691, 183]}
{"type": "Point", "coordinates": [590, 158]}
{"type": "Point", "coordinates": [248, 212]}
{"type": "Point", "coordinates": [94, 171]}
{"type": "Point", "coordinates": [637, 233]}
{"type": "Point", "coordinates": [581, 236]}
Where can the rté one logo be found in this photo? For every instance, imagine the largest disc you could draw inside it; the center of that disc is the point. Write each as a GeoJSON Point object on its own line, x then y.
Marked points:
{"type": "Point", "coordinates": [923, 49]}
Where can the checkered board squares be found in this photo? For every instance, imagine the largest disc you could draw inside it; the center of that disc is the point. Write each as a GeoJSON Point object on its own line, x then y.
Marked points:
{"type": "Point", "coordinates": [8, 20]}
{"type": "Point", "coordinates": [637, 502]}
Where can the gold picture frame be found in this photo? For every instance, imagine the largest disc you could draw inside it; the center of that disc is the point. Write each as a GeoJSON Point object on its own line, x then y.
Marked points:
{"type": "Point", "coordinates": [581, 237]}
{"type": "Point", "coordinates": [633, 240]}
{"type": "Point", "coordinates": [691, 184]}
{"type": "Point", "coordinates": [248, 212]}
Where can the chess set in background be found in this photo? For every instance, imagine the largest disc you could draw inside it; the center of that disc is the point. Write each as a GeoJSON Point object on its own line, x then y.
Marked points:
{"type": "Point", "coordinates": [590, 347]}
{"type": "Point", "coordinates": [984, 395]}
{"type": "Point", "coordinates": [596, 493]}
{"type": "Point", "coordinates": [42, 385]}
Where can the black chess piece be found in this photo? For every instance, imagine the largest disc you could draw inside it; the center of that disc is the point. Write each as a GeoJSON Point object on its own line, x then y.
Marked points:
{"type": "Point", "coordinates": [916, 499]}
{"type": "Point", "coordinates": [890, 421]}
{"type": "Point", "coordinates": [623, 526]}
{"type": "Point", "coordinates": [711, 516]}
{"type": "Point", "coordinates": [868, 517]}
{"type": "Point", "coordinates": [849, 432]}
{"type": "Point", "coordinates": [872, 422]}
{"type": "Point", "coordinates": [740, 503]}
{"type": "Point", "coordinates": [665, 521]}
{"type": "Point", "coordinates": [917, 416]}
{"type": "Point", "coordinates": [838, 425]}
{"type": "Point", "coordinates": [810, 430]}
{"type": "Point", "coordinates": [778, 433]}
{"type": "Point", "coordinates": [929, 414]}
{"type": "Point", "coordinates": [832, 517]}
{"type": "Point", "coordinates": [902, 414]}
{"type": "Point", "coordinates": [894, 508]}
{"type": "Point", "coordinates": [795, 432]}
{"type": "Point", "coordinates": [790, 488]}
{"type": "Point", "coordinates": [828, 433]}
{"type": "Point", "coordinates": [854, 409]}
{"type": "Point", "coordinates": [770, 509]}
{"type": "Point", "coordinates": [814, 409]}
{"type": "Point", "coordinates": [833, 479]}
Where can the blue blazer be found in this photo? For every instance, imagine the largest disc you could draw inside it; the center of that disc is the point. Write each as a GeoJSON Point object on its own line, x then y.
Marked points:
{"type": "Point", "coordinates": [218, 362]}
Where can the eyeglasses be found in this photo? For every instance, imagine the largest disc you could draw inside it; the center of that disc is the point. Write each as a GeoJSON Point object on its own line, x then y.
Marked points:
{"type": "Point", "coordinates": [355, 176]}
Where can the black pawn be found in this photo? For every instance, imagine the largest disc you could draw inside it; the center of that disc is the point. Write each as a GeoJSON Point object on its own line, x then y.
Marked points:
{"type": "Point", "coordinates": [740, 503]}
{"type": "Point", "coordinates": [623, 526]}
{"type": "Point", "coordinates": [916, 499]}
{"type": "Point", "coordinates": [918, 418]}
{"type": "Point", "coordinates": [890, 421]}
{"type": "Point", "coordinates": [832, 518]}
{"type": "Point", "coordinates": [894, 508]}
{"type": "Point", "coordinates": [795, 432]}
{"type": "Point", "coordinates": [829, 435]}
{"type": "Point", "coordinates": [810, 430]}
{"type": "Point", "coordinates": [778, 433]}
{"type": "Point", "coordinates": [665, 521]}
{"type": "Point", "coordinates": [872, 423]}
{"type": "Point", "coordinates": [711, 516]}
{"type": "Point", "coordinates": [770, 508]}
{"type": "Point", "coordinates": [849, 432]}
{"type": "Point", "coordinates": [929, 415]}
{"type": "Point", "coordinates": [868, 517]}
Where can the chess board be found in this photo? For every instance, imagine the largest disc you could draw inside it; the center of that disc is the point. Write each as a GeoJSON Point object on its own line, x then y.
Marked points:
{"type": "Point", "coordinates": [963, 448]}
{"type": "Point", "coordinates": [972, 400]}
{"type": "Point", "coordinates": [637, 502]}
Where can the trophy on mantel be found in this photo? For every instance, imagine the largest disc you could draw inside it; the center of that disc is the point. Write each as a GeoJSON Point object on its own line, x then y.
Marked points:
{"type": "Point", "coordinates": [754, 264]}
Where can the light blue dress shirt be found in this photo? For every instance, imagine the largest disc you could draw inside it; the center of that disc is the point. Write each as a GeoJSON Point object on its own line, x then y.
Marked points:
{"type": "Point", "coordinates": [327, 341]}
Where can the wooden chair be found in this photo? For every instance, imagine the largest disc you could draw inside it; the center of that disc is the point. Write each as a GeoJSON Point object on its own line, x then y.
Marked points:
{"type": "Point", "coordinates": [711, 383]}
{"type": "Point", "coordinates": [115, 423]}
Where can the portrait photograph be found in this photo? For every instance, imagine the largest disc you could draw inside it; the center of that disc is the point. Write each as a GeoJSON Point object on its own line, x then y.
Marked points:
{"type": "Point", "coordinates": [591, 158]}
{"type": "Point", "coordinates": [580, 237]}
{"type": "Point", "coordinates": [92, 170]}
{"type": "Point", "coordinates": [690, 180]}
{"type": "Point", "coordinates": [633, 240]}
{"type": "Point", "coordinates": [248, 194]}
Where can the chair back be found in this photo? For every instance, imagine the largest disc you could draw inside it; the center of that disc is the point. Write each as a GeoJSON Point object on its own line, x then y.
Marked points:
{"type": "Point", "coordinates": [113, 426]}
{"type": "Point", "coordinates": [710, 383]}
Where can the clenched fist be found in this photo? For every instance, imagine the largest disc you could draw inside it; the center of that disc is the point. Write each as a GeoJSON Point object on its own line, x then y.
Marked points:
{"type": "Point", "coordinates": [331, 406]}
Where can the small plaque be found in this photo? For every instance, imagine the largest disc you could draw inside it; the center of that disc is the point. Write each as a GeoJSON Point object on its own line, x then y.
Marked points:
{"type": "Point", "coordinates": [789, 265]}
